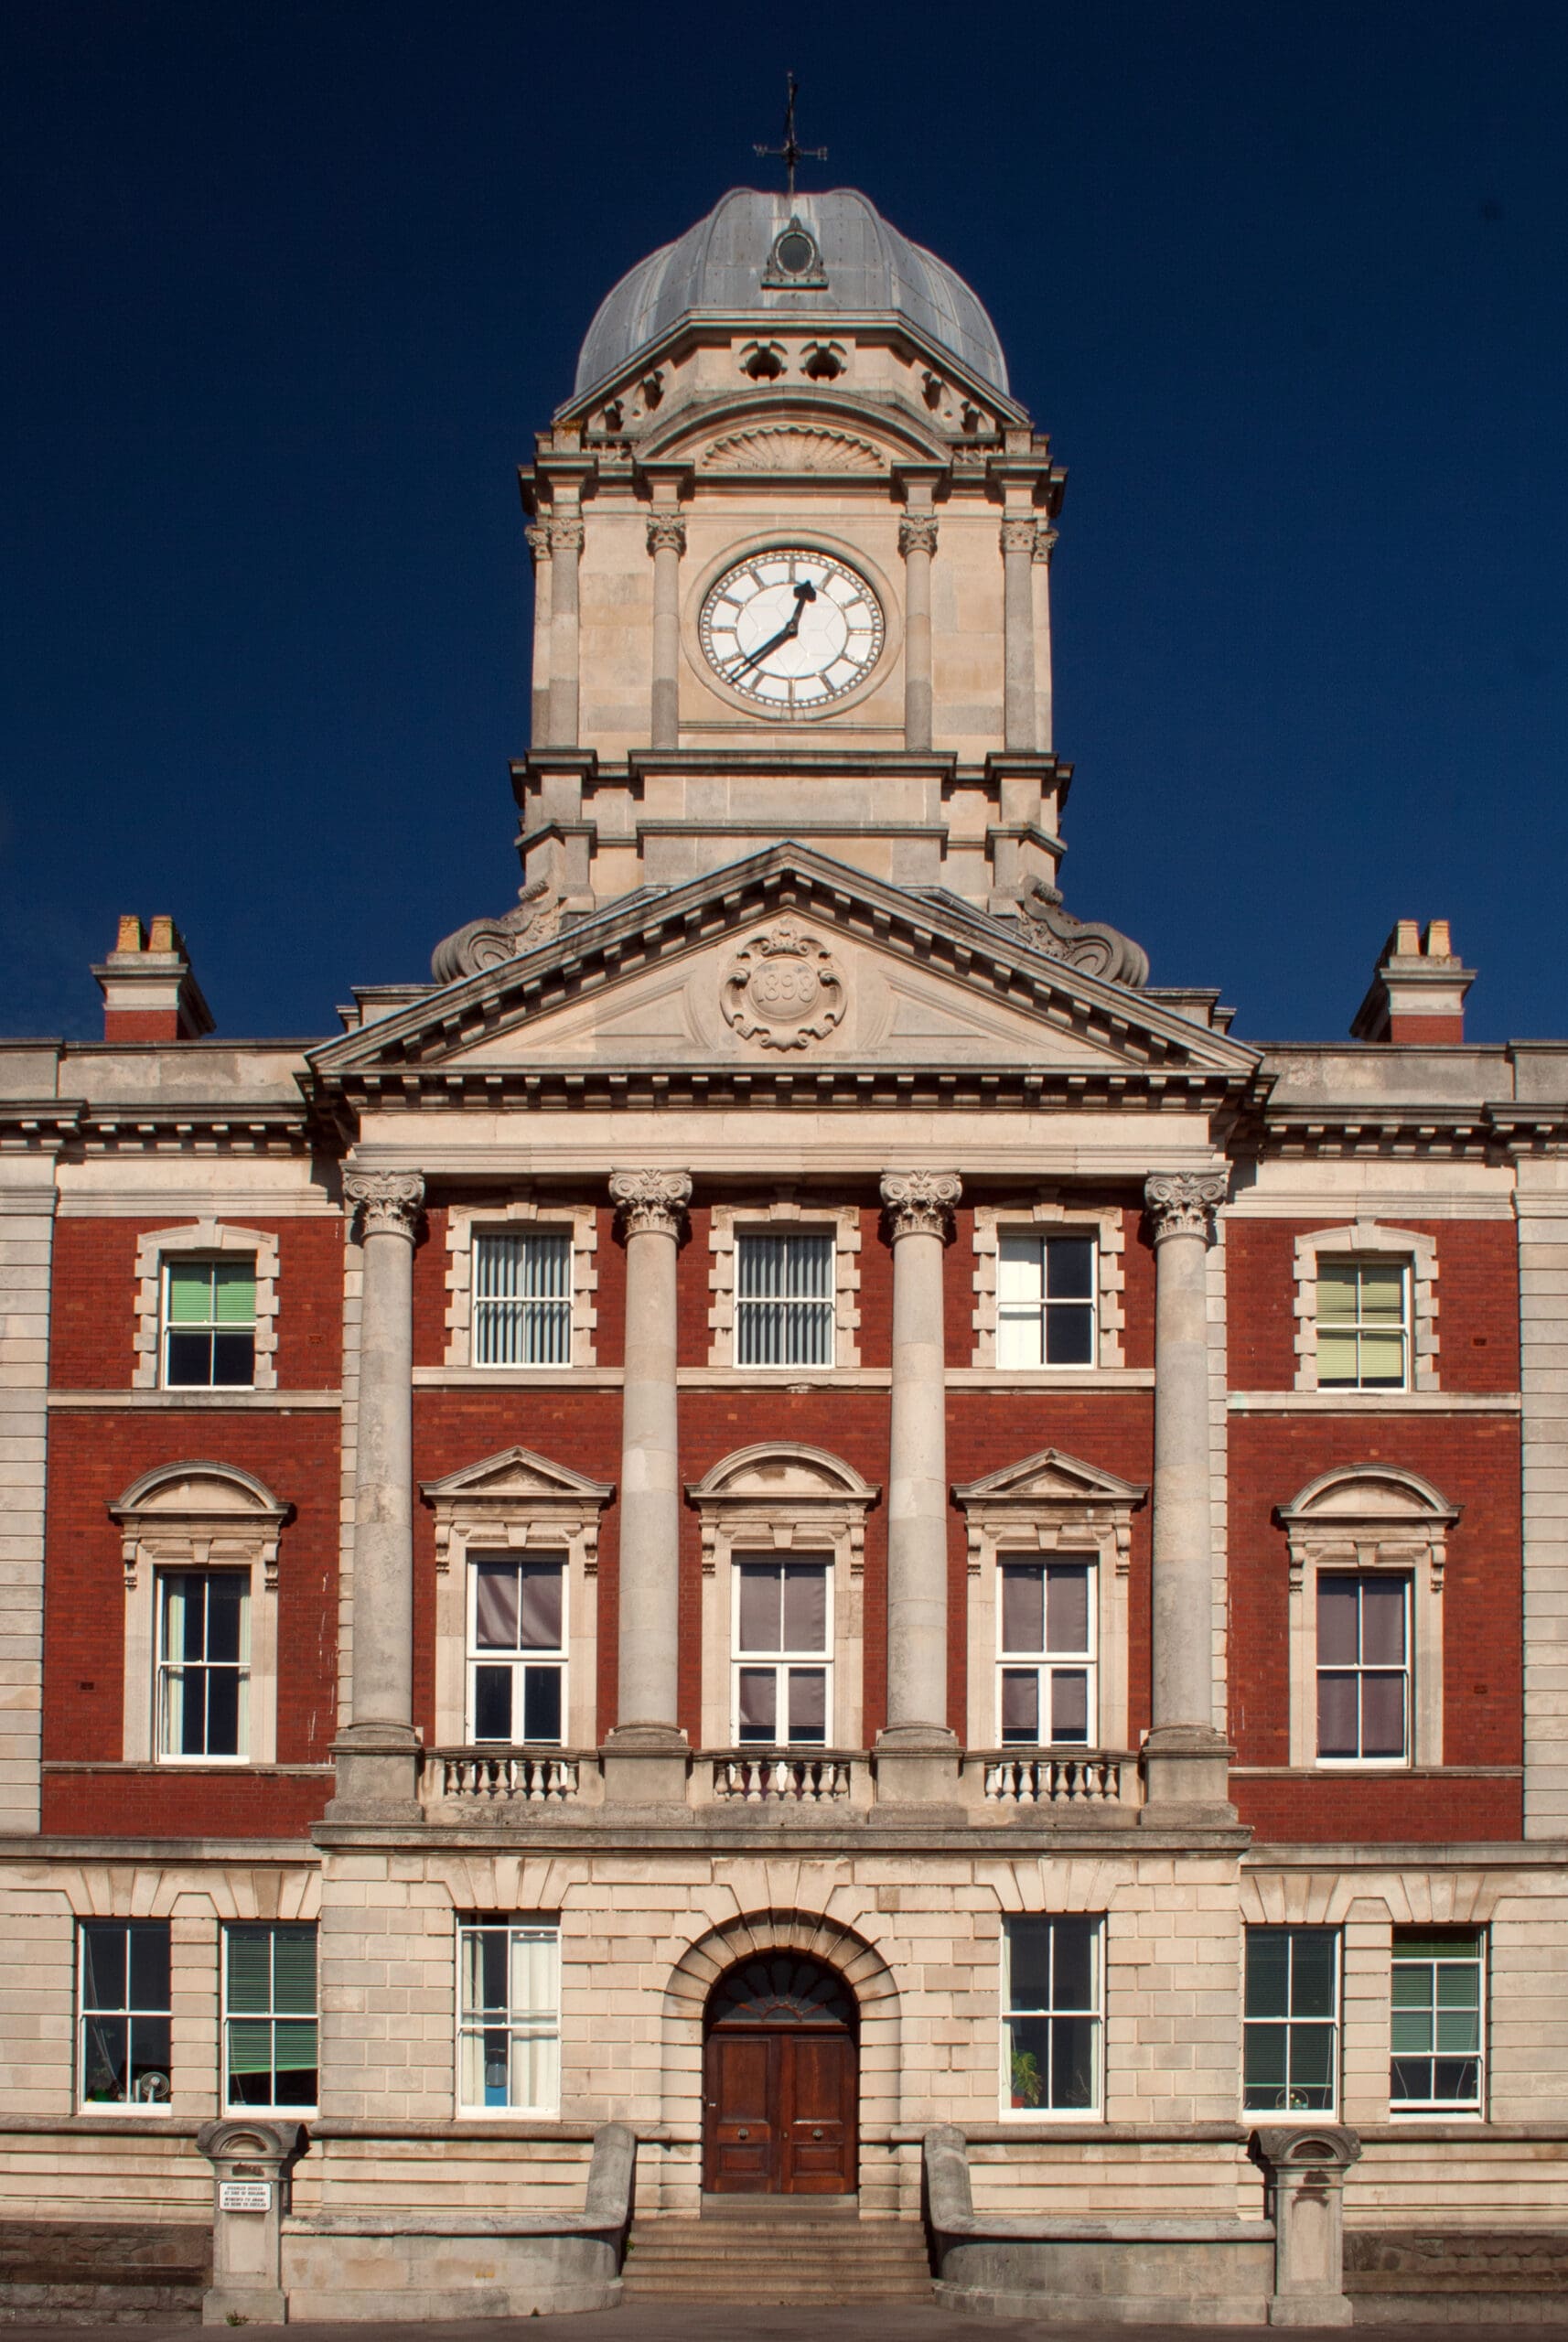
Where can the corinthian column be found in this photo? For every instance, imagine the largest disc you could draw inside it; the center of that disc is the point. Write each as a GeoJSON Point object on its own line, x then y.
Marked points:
{"type": "Point", "coordinates": [538, 545]}
{"type": "Point", "coordinates": [1045, 720]}
{"type": "Point", "coordinates": [565, 552]}
{"type": "Point", "coordinates": [916, 1752]}
{"type": "Point", "coordinates": [377, 1752]}
{"type": "Point", "coordinates": [645, 1754]}
{"type": "Point", "coordinates": [1018, 633]}
{"type": "Point", "coordinates": [666, 543]}
{"type": "Point", "coordinates": [1186, 1757]}
{"type": "Point", "coordinates": [917, 544]}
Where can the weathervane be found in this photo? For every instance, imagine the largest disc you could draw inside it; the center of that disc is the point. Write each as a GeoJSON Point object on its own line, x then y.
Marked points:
{"type": "Point", "coordinates": [792, 152]}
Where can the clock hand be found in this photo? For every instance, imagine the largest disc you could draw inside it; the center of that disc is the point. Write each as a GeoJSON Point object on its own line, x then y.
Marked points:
{"type": "Point", "coordinates": [805, 592]}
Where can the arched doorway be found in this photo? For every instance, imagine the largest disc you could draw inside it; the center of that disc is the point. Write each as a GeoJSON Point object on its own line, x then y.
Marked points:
{"type": "Point", "coordinates": [781, 2080]}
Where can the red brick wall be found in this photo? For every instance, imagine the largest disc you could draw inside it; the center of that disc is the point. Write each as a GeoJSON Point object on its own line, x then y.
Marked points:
{"type": "Point", "coordinates": [93, 1457]}
{"type": "Point", "coordinates": [1345, 1810]}
{"type": "Point", "coordinates": [1473, 1461]}
{"type": "Point", "coordinates": [1477, 1288]}
{"type": "Point", "coordinates": [95, 1288]}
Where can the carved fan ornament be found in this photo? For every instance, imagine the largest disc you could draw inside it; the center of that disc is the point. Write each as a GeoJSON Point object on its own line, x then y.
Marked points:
{"type": "Point", "coordinates": [783, 989]}
{"type": "Point", "coordinates": [789, 448]}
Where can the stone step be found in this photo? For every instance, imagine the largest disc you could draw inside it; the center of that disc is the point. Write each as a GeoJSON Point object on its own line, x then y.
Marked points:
{"type": "Point", "coordinates": [783, 2259]}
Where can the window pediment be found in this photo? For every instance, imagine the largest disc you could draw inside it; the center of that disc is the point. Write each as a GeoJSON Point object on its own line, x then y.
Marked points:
{"type": "Point", "coordinates": [516, 1499]}
{"type": "Point", "coordinates": [1370, 1493]}
{"type": "Point", "coordinates": [1050, 1477]}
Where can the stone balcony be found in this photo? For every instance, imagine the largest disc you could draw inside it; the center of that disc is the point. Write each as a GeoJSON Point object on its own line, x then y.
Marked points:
{"type": "Point", "coordinates": [1095, 1786]}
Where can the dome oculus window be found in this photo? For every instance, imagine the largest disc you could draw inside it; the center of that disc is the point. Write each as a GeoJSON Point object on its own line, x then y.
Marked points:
{"type": "Point", "coordinates": [796, 258]}
{"type": "Point", "coordinates": [792, 630]}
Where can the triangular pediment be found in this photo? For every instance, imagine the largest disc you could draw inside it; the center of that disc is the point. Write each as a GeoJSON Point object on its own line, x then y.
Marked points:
{"type": "Point", "coordinates": [1050, 1477]}
{"type": "Point", "coordinates": [786, 964]}
{"type": "Point", "coordinates": [516, 1477]}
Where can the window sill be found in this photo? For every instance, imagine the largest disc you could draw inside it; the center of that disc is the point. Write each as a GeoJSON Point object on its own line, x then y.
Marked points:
{"type": "Point", "coordinates": [1374, 1403]}
{"type": "Point", "coordinates": [246, 1401]}
{"type": "Point", "coordinates": [221, 1768]}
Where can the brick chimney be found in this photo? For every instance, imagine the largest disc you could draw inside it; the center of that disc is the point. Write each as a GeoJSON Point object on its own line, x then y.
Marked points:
{"type": "Point", "coordinates": [1417, 992]}
{"type": "Point", "coordinates": [149, 992]}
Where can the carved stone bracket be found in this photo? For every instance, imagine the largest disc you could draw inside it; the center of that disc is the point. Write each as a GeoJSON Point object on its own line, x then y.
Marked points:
{"type": "Point", "coordinates": [386, 1203]}
{"type": "Point", "coordinates": [1098, 948]}
{"type": "Point", "coordinates": [651, 1202]}
{"type": "Point", "coordinates": [920, 1203]}
{"type": "Point", "coordinates": [1182, 1203]}
{"type": "Point", "coordinates": [916, 536]}
{"type": "Point", "coordinates": [490, 943]}
{"type": "Point", "coordinates": [667, 533]}
{"type": "Point", "coordinates": [783, 989]}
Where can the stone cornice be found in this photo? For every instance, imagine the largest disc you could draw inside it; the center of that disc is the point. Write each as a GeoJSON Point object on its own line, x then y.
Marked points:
{"type": "Point", "coordinates": [422, 1048]}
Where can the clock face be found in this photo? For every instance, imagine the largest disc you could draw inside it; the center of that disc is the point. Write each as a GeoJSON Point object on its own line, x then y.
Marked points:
{"type": "Point", "coordinates": [792, 629]}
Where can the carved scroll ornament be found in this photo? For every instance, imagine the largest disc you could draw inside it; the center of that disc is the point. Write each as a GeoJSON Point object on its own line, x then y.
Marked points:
{"type": "Point", "coordinates": [387, 1203]}
{"type": "Point", "coordinates": [1182, 1203]}
{"type": "Point", "coordinates": [651, 1203]}
{"type": "Point", "coordinates": [783, 989]}
{"type": "Point", "coordinates": [920, 1203]}
{"type": "Point", "coordinates": [1098, 948]}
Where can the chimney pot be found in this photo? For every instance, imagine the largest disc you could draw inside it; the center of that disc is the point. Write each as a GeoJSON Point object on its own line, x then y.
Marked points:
{"type": "Point", "coordinates": [149, 992]}
{"type": "Point", "coordinates": [1418, 989]}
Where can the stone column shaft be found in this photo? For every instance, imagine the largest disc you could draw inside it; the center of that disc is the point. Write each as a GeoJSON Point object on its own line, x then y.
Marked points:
{"type": "Point", "coordinates": [652, 1207]}
{"type": "Point", "coordinates": [666, 543]}
{"type": "Point", "coordinates": [919, 1205]}
{"type": "Point", "coordinates": [1187, 1756]}
{"type": "Point", "coordinates": [565, 552]}
{"type": "Point", "coordinates": [539, 702]}
{"type": "Point", "coordinates": [917, 544]}
{"type": "Point", "coordinates": [1018, 633]}
{"type": "Point", "coordinates": [1045, 720]}
{"type": "Point", "coordinates": [377, 1751]}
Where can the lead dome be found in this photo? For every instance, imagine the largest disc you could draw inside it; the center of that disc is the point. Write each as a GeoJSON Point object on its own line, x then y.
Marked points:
{"type": "Point", "coordinates": [729, 263]}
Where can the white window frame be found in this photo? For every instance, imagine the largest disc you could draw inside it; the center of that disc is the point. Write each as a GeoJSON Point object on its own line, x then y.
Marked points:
{"type": "Point", "coordinates": [1045, 1664]}
{"type": "Point", "coordinates": [244, 2016]}
{"type": "Point", "coordinates": [215, 1239]}
{"type": "Point", "coordinates": [781, 1496]}
{"type": "Point", "coordinates": [1443, 2109]}
{"type": "Point", "coordinates": [1049, 1505]}
{"type": "Point", "coordinates": [517, 1217]}
{"type": "Point", "coordinates": [520, 1505]}
{"type": "Point", "coordinates": [727, 1222]}
{"type": "Point", "coordinates": [1046, 1216]}
{"type": "Point", "coordinates": [1329, 2113]}
{"type": "Point", "coordinates": [1364, 1242]}
{"type": "Point", "coordinates": [1375, 1518]}
{"type": "Point", "coordinates": [197, 1518]}
{"type": "Point", "coordinates": [537, 1929]}
{"type": "Point", "coordinates": [781, 1662]}
{"type": "Point", "coordinates": [821, 1305]}
{"type": "Point", "coordinates": [1361, 1764]}
{"type": "Point", "coordinates": [164, 1667]}
{"type": "Point", "coordinates": [117, 2106]}
{"type": "Point", "coordinates": [559, 1658]}
{"type": "Point", "coordinates": [1096, 1923]}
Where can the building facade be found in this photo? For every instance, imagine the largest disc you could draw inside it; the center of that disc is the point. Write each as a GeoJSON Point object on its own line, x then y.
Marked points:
{"type": "Point", "coordinates": [791, 1505]}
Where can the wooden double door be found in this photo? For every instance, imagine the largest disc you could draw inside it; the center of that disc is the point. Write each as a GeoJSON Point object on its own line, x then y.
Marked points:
{"type": "Point", "coordinates": [781, 2089]}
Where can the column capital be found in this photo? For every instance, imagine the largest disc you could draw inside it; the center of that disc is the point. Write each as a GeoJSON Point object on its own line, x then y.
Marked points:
{"type": "Point", "coordinates": [537, 535]}
{"type": "Point", "coordinates": [650, 1201]}
{"type": "Point", "coordinates": [1045, 545]}
{"type": "Point", "coordinates": [1018, 536]}
{"type": "Point", "coordinates": [920, 1203]}
{"type": "Point", "coordinates": [917, 535]}
{"type": "Point", "coordinates": [387, 1203]}
{"type": "Point", "coordinates": [1182, 1203]}
{"type": "Point", "coordinates": [565, 536]}
{"type": "Point", "coordinates": [667, 533]}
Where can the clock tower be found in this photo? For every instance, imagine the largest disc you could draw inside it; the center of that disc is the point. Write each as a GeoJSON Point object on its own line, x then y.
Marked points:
{"type": "Point", "coordinates": [791, 536]}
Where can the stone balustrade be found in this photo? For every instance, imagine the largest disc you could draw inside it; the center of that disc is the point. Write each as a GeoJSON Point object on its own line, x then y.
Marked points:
{"type": "Point", "coordinates": [504, 1776]}
{"type": "Point", "coordinates": [758, 1779]}
{"type": "Point", "coordinates": [1088, 1777]}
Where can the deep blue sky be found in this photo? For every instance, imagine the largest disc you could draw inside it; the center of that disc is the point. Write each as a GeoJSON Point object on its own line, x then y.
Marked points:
{"type": "Point", "coordinates": [289, 287]}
